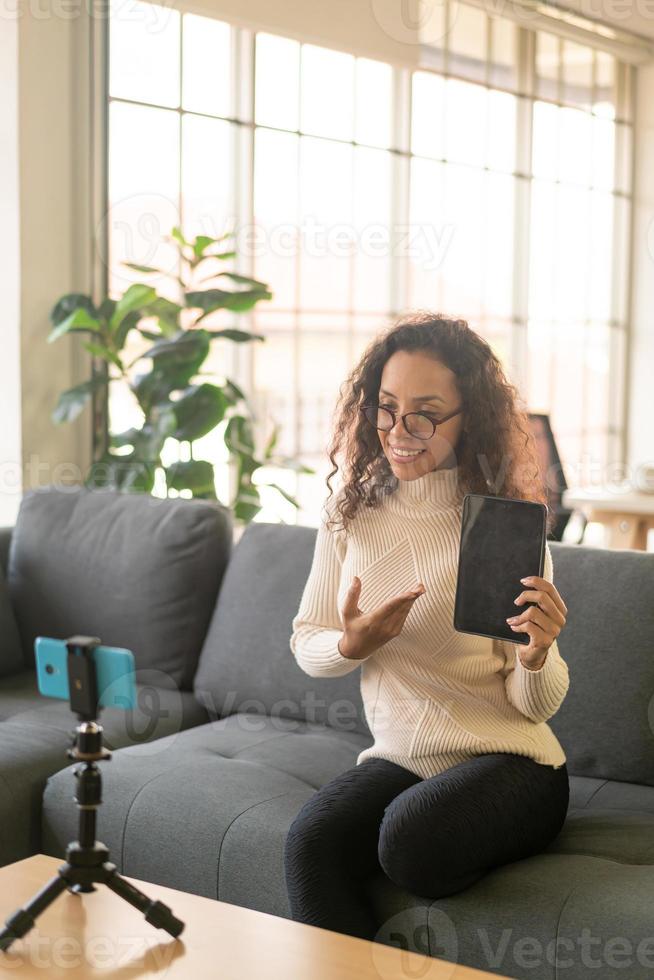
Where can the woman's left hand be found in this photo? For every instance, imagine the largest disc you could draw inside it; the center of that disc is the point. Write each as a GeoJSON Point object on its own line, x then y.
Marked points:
{"type": "Point", "coordinates": [543, 622]}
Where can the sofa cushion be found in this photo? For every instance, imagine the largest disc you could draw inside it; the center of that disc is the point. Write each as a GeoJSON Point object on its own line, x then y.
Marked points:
{"type": "Point", "coordinates": [225, 792]}
{"type": "Point", "coordinates": [606, 721]}
{"type": "Point", "coordinates": [138, 571]}
{"type": "Point", "coordinates": [246, 662]}
{"type": "Point", "coordinates": [246, 777]}
{"type": "Point", "coordinates": [11, 654]}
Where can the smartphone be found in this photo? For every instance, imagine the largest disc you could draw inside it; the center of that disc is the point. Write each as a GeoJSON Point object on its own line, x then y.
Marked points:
{"type": "Point", "coordinates": [116, 686]}
{"type": "Point", "coordinates": [502, 540]}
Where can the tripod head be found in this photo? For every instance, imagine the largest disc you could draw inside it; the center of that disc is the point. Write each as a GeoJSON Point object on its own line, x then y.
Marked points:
{"type": "Point", "coordinates": [82, 677]}
{"type": "Point", "coordinates": [82, 685]}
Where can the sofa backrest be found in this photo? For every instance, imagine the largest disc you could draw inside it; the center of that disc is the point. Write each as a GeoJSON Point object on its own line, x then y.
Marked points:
{"type": "Point", "coordinates": [246, 664]}
{"type": "Point", "coordinates": [606, 721]}
{"type": "Point", "coordinates": [138, 571]}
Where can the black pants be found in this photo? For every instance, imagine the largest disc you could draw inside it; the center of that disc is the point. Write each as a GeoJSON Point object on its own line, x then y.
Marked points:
{"type": "Point", "coordinates": [433, 837]}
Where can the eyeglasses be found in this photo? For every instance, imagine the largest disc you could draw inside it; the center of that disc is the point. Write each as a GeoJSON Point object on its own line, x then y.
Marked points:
{"type": "Point", "coordinates": [417, 424]}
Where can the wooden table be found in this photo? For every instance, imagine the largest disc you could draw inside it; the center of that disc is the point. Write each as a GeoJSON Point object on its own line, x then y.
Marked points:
{"type": "Point", "coordinates": [627, 515]}
{"type": "Point", "coordinates": [100, 935]}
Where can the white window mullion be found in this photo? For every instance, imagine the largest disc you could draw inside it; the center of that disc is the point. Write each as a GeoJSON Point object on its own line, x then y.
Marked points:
{"type": "Point", "coordinates": [522, 215]}
{"type": "Point", "coordinates": [400, 184]}
{"type": "Point", "coordinates": [242, 108]}
{"type": "Point", "coordinates": [623, 264]}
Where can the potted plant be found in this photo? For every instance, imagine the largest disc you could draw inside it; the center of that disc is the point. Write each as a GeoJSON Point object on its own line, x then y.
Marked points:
{"type": "Point", "coordinates": [174, 401]}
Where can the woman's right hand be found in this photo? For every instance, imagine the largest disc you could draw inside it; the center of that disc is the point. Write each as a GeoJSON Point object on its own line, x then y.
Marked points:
{"type": "Point", "coordinates": [366, 632]}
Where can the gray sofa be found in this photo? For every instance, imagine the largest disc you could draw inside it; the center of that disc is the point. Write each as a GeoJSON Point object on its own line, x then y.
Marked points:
{"type": "Point", "coordinates": [231, 737]}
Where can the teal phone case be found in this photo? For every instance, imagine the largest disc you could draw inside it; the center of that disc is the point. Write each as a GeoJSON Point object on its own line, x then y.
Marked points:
{"type": "Point", "coordinates": [114, 672]}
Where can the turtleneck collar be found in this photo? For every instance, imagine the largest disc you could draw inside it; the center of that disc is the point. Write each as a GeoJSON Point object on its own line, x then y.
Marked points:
{"type": "Point", "coordinates": [439, 487]}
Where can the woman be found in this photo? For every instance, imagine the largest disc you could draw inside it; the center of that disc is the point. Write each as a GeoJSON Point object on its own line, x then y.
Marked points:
{"type": "Point", "coordinates": [464, 773]}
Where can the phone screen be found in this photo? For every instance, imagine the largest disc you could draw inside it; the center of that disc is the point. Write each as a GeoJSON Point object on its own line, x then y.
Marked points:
{"type": "Point", "coordinates": [502, 541]}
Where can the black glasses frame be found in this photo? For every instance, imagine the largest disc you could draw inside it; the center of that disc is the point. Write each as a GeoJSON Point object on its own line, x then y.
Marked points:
{"type": "Point", "coordinates": [435, 422]}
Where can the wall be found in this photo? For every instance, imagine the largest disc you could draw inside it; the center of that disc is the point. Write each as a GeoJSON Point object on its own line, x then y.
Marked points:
{"type": "Point", "coordinates": [43, 199]}
{"type": "Point", "coordinates": [10, 429]}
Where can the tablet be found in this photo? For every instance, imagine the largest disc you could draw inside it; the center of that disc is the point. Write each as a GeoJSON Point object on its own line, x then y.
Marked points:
{"type": "Point", "coordinates": [502, 540]}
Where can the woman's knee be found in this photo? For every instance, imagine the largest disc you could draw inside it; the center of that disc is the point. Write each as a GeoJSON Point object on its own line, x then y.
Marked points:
{"type": "Point", "coordinates": [429, 879]}
{"type": "Point", "coordinates": [426, 879]}
{"type": "Point", "coordinates": [308, 828]}
{"type": "Point", "coordinates": [432, 868]}
{"type": "Point", "coordinates": [322, 827]}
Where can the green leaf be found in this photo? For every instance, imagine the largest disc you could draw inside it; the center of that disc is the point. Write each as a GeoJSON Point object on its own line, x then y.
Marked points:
{"type": "Point", "coordinates": [129, 322]}
{"type": "Point", "coordinates": [137, 296]}
{"type": "Point", "coordinates": [98, 350]}
{"type": "Point", "coordinates": [176, 234]}
{"type": "Point", "coordinates": [209, 300]}
{"type": "Point", "coordinates": [148, 441]}
{"type": "Point", "coordinates": [198, 411]}
{"type": "Point", "coordinates": [239, 437]}
{"type": "Point", "coordinates": [155, 386]}
{"type": "Point", "coordinates": [166, 312]}
{"type": "Point", "coordinates": [68, 304]}
{"type": "Point", "coordinates": [272, 442]}
{"type": "Point", "coordinates": [244, 280]}
{"type": "Point", "coordinates": [79, 319]}
{"type": "Point", "coordinates": [201, 243]}
{"type": "Point", "coordinates": [233, 392]}
{"type": "Point", "coordinates": [144, 268]}
{"type": "Point", "coordinates": [155, 431]}
{"type": "Point", "coordinates": [126, 438]}
{"type": "Point", "coordinates": [106, 309]}
{"type": "Point", "coordinates": [195, 474]}
{"type": "Point", "coordinates": [238, 335]}
{"type": "Point", "coordinates": [128, 473]}
{"type": "Point", "coordinates": [164, 309]}
{"type": "Point", "coordinates": [72, 401]}
{"type": "Point", "coordinates": [283, 492]}
{"type": "Point", "coordinates": [186, 347]}
{"type": "Point", "coordinates": [174, 362]}
{"type": "Point", "coordinates": [246, 505]}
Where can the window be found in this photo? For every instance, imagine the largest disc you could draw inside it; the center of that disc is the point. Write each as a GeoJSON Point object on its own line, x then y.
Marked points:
{"type": "Point", "coordinates": [492, 184]}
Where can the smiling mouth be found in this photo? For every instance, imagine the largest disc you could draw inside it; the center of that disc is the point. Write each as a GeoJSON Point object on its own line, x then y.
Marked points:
{"type": "Point", "coordinates": [405, 454]}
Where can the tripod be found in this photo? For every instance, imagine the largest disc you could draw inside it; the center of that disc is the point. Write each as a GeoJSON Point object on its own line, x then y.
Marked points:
{"type": "Point", "coordinates": [87, 860]}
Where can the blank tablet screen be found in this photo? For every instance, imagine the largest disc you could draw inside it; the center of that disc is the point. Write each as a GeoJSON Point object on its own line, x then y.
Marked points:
{"type": "Point", "coordinates": [502, 541]}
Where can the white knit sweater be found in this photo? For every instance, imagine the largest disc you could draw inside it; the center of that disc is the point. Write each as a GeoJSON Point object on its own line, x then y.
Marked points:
{"type": "Point", "coordinates": [432, 696]}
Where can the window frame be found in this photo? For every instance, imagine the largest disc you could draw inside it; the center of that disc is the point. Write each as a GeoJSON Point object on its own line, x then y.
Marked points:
{"type": "Point", "coordinates": [242, 115]}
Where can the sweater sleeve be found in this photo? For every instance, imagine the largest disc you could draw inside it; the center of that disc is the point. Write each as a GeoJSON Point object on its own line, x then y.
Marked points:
{"type": "Point", "coordinates": [317, 626]}
{"type": "Point", "coordinates": [538, 694]}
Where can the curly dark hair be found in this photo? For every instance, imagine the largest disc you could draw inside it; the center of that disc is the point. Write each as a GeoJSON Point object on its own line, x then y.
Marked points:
{"type": "Point", "coordinates": [496, 453]}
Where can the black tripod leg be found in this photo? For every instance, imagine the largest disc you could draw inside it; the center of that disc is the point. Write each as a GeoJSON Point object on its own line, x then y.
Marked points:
{"type": "Point", "coordinates": [22, 919]}
{"type": "Point", "coordinates": [155, 912]}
